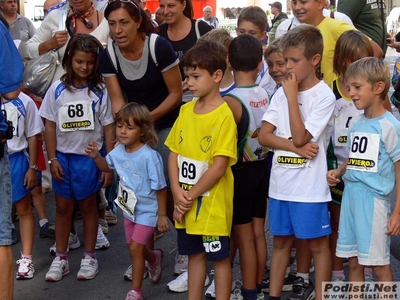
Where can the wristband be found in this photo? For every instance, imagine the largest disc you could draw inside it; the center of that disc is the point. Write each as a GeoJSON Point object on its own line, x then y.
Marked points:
{"type": "Point", "coordinates": [51, 159]}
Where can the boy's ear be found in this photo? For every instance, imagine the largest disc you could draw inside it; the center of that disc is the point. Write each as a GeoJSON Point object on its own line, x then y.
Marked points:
{"type": "Point", "coordinates": [316, 59]}
{"type": "Point", "coordinates": [379, 87]}
{"type": "Point", "coordinates": [217, 76]}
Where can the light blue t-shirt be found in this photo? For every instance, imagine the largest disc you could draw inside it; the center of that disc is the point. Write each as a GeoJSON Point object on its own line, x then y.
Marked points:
{"type": "Point", "coordinates": [374, 148]}
{"type": "Point", "coordinates": [142, 172]}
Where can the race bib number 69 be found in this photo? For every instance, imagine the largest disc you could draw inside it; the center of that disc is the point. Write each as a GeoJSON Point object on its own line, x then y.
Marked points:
{"type": "Point", "coordinates": [364, 152]}
{"type": "Point", "coordinates": [190, 171]}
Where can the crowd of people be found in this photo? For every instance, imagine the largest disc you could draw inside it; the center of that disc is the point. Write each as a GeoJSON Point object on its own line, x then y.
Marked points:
{"type": "Point", "coordinates": [182, 124]}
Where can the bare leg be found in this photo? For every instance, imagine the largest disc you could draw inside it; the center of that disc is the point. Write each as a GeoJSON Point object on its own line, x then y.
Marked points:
{"type": "Point", "coordinates": [223, 279]}
{"type": "Point", "coordinates": [280, 257]}
{"type": "Point", "coordinates": [64, 210]}
{"type": "Point", "coordinates": [197, 273]}
{"type": "Point", "coordinates": [322, 260]}
{"type": "Point", "coordinates": [136, 251]}
{"type": "Point", "coordinates": [88, 209]}
{"type": "Point", "coordinates": [303, 256]}
{"type": "Point", "coordinates": [27, 225]}
{"type": "Point", "coordinates": [247, 254]}
{"type": "Point", "coordinates": [39, 202]}
{"type": "Point", "coordinates": [261, 247]}
{"type": "Point", "coordinates": [7, 273]}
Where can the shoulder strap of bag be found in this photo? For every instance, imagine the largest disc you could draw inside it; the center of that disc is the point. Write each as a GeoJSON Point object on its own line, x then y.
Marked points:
{"type": "Point", "coordinates": [152, 47]}
{"type": "Point", "coordinates": [111, 54]}
{"type": "Point", "coordinates": [196, 28]}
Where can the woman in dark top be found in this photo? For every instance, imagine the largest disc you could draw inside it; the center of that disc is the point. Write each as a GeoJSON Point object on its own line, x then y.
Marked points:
{"type": "Point", "coordinates": [179, 28]}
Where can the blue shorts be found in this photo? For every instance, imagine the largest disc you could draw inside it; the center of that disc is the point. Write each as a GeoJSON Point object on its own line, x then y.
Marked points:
{"type": "Point", "coordinates": [304, 220]}
{"type": "Point", "coordinates": [164, 151]}
{"type": "Point", "coordinates": [81, 177]}
{"type": "Point", "coordinates": [362, 226]}
{"type": "Point", "coordinates": [216, 247]}
{"type": "Point", "coordinates": [5, 200]}
{"type": "Point", "coordinates": [19, 164]}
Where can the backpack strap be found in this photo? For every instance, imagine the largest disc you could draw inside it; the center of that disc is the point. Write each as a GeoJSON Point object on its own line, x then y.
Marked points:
{"type": "Point", "coordinates": [152, 47]}
{"type": "Point", "coordinates": [111, 54]}
{"type": "Point", "coordinates": [196, 28]}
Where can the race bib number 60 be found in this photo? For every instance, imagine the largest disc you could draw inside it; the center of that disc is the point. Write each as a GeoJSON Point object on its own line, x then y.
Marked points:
{"type": "Point", "coordinates": [364, 152]}
{"type": "Point", "coordinates": [190, 171]}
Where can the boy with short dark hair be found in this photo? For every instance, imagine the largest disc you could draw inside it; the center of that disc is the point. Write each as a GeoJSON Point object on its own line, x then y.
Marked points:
{"type": "Point", "coordinates": [370, 174]}
{"type": "Point", "coordinates": [295, 126]}
{"type": "Point", "coordinates": [253, 20]}
{"type": "Point", "coordinates": [248, 102]}
{"type": "Point", "coordinates": [203, 149]}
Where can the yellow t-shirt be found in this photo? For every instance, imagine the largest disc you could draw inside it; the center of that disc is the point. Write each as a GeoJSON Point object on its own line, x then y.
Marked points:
{"type": "Point", "coordinates": [331, 30]}
{"type": "Point", "coordinates": [197, 139]}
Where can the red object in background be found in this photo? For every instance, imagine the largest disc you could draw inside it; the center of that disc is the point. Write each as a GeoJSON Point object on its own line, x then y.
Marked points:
{"type": "Point", "coordinates": [198, 6]}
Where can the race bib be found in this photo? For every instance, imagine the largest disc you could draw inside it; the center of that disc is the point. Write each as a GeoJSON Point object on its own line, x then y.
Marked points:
{"type": "Point", "coordinates": [12, 115]}
{"type": "Point", "coordinates": [288, 159]}
{"type": "Point", "coordinates": [190, 171]}
{"type": "Point", "coordinates": [126, 200]}
{"type": "Point", "coordinates": [341, 129]}
{"type": "Point", "coordinates": [364, 152]}
{"type": "Point", "coordinates": [76, 116]}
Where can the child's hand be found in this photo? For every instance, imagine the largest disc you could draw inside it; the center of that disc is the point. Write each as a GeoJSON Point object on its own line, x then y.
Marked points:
{"type": "Point", "coordinates": [30, 179]}
{"type": "Point", "coordinates": [309, 150]}
{"type": "Point", "coordinates": [291, 87]}
{"type": "Point", "coordinates": [162, 224]}
{"type": "Point", "coordinates": [106, 178]}
{"type": "Point", "coordinates": [177, 216]}
{"type": "Point", "coordinates": [394, 224]}
{"type": "Point", "coordinates": [56, 170]}
{"type": "Point", "coordinates": [182, 200]}
{"type": "Point", "coordinates": [92, 150]}
{"type": "Point", "coordinates": [333, 177]}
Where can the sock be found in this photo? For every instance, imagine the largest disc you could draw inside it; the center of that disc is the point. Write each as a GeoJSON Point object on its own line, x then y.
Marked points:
{"type": "Point", "coordinates": [42, 222]}
{"type": "Point", "coordinates": [287, 272]}
{"type": "Point", "coordinates": [249, 294]}
{"type": "Point", "coordinates": [259, 287]}
{"type": "Point", "coordinates": [26, 256]}
{"type": "Point", "coordinates": [368, 271]}
{"type": "Point", "coordinates": [91, 254]}
{"type": "Point", "coordinates": [139, 291]}
{"type": "Point", "coordinates": [338, 274]}
{"type": "Point", "coordinates": [62, 255]}
{"type": "Point", "coordinates": [305, 276]}
{"type": "Point", "coordinates": [274, 298]}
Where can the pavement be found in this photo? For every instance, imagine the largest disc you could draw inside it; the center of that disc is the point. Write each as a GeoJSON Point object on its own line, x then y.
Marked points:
{"type": "Point", "coordinates": [109, 283]}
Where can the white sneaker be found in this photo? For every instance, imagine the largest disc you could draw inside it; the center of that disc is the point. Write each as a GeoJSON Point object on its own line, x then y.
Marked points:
{"type": "Point", "coordinates": [25, 268]}
{"type": "Point", "coordinates": [180, 283]}
{"type": "Point", "coordinates": [128, 273]}
{"type": "Point", "coordinates": [181, 264]}
{"type": "Point", "coordinates": [101, 241]}
{"type": "Point", "coordinates": [73, 243]}
{"type": "Point", "coordinates": [210, 292]}
{"type": "Point", "coordinates": [89, 268]}
{"type": "Point", "coordinates": [58, 269]}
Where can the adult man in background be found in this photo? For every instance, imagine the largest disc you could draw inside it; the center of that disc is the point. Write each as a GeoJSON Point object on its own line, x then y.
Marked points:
{"type": "Point", "coordinates": [159, 16]}
{"type": "Point", "coordinates": [208, 18]}
{"type": "Point", "coordinates": [11, 75]}
{"type": "Point", "coordinates": [279, 17]}
{"type": "Point", "coordinates": [20, 28]}
{"type": "Point", "coordinates": [368, 16]}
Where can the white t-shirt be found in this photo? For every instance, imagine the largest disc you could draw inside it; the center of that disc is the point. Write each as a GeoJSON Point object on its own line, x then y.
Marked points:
{"type": "Point", "coordinates": [79, 117]}
{"type": "Point", "coordinates": [23, 113]}
{"type": "Point", "coordinates": [264, 79]}
{"type": "Point", "coordinates": [294, 178]}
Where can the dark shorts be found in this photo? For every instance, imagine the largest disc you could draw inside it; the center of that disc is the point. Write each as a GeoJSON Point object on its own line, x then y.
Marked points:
{"type": "Point", "coordinates": [337, 192]}
{"type": "Point", "coordinates": [251, 191]}
{"type": "Point", "coordinates": [216, 247]}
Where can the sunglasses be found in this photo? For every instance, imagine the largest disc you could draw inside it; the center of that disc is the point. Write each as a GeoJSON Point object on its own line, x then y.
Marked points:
{"type": "Point", "coordinates": [127, 1]}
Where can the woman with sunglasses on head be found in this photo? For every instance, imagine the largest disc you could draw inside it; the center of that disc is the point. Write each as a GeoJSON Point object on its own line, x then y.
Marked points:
{"type": "Point", "coordinates": [179, 28]}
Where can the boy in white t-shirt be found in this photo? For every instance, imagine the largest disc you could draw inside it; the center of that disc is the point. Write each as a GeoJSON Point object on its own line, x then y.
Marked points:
{"type": "Point", "coordinates": [295, 126]}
